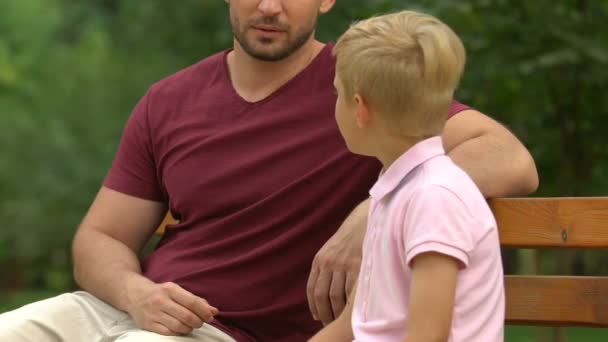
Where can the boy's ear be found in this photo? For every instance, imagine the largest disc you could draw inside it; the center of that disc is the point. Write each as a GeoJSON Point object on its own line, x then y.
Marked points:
{"type": "Point", "coordinates": [364, 115]}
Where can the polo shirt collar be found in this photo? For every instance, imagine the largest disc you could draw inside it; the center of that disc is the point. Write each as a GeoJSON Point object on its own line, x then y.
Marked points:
{"type": "Point", "coordinates": [391, 178]}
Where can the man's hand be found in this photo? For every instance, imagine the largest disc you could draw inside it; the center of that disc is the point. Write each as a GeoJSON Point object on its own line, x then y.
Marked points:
{"type": "Point", "coordinates": [336, 266]}
{"type": "Point", "coordinates": [168, 309]}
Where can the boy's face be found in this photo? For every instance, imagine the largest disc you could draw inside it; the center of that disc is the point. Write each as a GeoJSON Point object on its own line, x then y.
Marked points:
{"type": "Point", "coordinates": [346, 118]}
{"type": "Point", "coordinates": [271, 30]}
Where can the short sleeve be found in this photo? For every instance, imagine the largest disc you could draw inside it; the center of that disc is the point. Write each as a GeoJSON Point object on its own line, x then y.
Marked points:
{"type": "Point", "coordinates": [438, 221]}
{"type": "Point", "coordinates": [134, 170]}
{"type": "Point", "coordinates": [456, 108]}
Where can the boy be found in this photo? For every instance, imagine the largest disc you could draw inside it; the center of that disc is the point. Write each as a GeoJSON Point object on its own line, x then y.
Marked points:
{"type": "Point", "coordinates": [431, 268]}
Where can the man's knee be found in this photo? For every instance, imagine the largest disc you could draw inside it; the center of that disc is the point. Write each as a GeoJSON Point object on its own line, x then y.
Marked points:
{"type": "Point", "coordinates": [207, 333]}
{"type": "Point", "coordinates": [25, 323]}
{"type": "Point", "coordinates": [62, 304]}
{"type": "Point", "coordinates": [47, 320]}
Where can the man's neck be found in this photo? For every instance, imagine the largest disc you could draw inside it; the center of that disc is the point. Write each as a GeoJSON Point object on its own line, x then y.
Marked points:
{"type": "Point", "coordinates": [255, 80]}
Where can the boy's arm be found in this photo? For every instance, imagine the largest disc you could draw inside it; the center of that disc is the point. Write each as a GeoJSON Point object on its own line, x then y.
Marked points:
{"type": "Point", "coordinates": [432, 295]}
{"type": "Point", "coordinates": [338, 331]}
{"type": "Point", "coordinates": [341, 328]}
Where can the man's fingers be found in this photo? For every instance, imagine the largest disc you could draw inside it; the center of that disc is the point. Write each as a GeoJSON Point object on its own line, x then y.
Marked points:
{"type": "Point", "coordinates": [174, 325]}
{"type": "Point", "coordinates": [321, 298]}
{"type": "Point", "coordinates": [210, 310]}
{"type": "Point", "coordinates": [337, 296]}
{"type": "Point", "coordinates": [183, 315]}
{"type": "Point", "coordinates": [192, 303]}
{"type": "Point", "coordinates": [160, 329]}
{"type": "Point", "coordinates": [351, 280]}
{"type": "Point", "coordinates": [310, 290]}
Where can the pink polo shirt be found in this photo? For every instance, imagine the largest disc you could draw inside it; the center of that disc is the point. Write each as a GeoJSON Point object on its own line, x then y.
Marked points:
{"type": "Point", "coordinates": [424, 203]}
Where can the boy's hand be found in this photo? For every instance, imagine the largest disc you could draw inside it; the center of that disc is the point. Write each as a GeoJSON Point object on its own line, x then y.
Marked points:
{"type": "Point", "coordinates": [432, 296]}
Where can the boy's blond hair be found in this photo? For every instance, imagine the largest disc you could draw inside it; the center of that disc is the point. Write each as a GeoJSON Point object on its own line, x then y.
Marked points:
{"type": "Point", "coordinates": [405, 65]}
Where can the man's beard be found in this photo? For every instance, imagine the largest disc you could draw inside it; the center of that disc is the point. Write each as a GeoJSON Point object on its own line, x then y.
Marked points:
{"type": "Point", "coordinates": [270, 56]}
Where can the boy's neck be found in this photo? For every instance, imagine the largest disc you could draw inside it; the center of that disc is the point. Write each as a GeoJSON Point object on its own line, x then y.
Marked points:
{"type": "Point", "coordinates": [390, 148]}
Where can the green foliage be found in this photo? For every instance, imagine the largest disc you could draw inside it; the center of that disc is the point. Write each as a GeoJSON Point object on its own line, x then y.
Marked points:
{"type": "Point", "coordinates": [14, 300]}
{"type": "Point", "coordinates": [71, 71]}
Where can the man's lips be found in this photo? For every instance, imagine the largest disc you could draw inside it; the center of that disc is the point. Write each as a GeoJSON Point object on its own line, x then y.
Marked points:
{"type": "Point", "coordinates": [268, 28]}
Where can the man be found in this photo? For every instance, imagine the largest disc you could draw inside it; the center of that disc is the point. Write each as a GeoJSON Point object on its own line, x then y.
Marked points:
{"type": "Point", "coordinates": [243, 149]}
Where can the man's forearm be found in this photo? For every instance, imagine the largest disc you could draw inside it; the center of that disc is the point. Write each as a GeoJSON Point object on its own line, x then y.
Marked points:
{"type": "Point", "coordinates": [106, 268]}
{"type": "Point", "coordinates": [498, 166]}
{"type": "Point", "coordinates": [359, 214]}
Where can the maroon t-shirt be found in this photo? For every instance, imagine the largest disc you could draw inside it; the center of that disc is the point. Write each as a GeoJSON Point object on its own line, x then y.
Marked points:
{"type": "Point", "coordinates": [257, 187]}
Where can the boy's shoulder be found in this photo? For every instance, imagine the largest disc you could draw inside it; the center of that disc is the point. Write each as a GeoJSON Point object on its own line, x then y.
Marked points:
{"type": "Point", "coordinates": [444, 172]}
{"type": "Point", "coordinates": [441, 180]}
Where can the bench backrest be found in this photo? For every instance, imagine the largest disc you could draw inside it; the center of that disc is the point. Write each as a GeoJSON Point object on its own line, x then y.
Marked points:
{"type": "Point", "coordinates": [554, 223]}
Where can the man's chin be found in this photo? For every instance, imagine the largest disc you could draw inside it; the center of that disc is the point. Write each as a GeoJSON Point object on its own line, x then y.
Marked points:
{"type": "Point", "coordinates": [268, 54]}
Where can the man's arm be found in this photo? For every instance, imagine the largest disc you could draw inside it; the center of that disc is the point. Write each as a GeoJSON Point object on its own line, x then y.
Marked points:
{"type": "Point", "coordinates": [493, 157]}
{"type": "Point", "coordinates": [105, 253]}
{"type": "Point", "coordinates": [431, 298]}
{"type": "Point", "coordinates": [336, 266]}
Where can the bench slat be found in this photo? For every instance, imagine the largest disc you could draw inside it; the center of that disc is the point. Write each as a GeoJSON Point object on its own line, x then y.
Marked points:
{"type": "Point", "coordinates": [580, 222]}
{"type": "Point", "coordinates": [557, 300]}
{"type": "Point", "coordinates": [168, 220]}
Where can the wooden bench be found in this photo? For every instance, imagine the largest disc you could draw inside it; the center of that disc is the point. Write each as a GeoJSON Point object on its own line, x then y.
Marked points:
{"type": "Point", "coordinates": [552, 223]}
{"type": "Point", "coordinates": [538, 223]}
{"type": "Point", "coordinates": [168, 220]}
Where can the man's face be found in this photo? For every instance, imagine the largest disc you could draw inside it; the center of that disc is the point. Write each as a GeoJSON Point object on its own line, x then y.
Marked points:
{"type": "Point", "coordinates": [271, 30]}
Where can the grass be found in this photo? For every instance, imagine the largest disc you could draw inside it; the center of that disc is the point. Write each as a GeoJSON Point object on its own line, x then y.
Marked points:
{"type": "Point", "coordinates": [533, 334]}
{"type": "Point", "coordinates": [14, 300]}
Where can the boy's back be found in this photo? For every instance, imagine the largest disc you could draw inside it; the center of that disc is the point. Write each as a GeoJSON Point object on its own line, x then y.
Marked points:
{"type": "Point", "coordinates": [425, 203]}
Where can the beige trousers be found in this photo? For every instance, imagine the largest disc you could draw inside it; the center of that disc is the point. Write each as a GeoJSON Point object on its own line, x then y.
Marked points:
{"type": "Point", "coordinates": [80, 317]}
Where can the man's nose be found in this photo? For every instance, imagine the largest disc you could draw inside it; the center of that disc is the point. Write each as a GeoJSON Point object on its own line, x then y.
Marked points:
{"type": "Point", "coordinates": [270, 8]}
